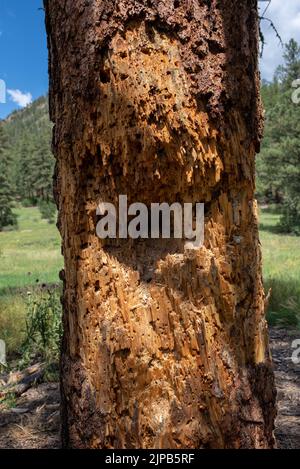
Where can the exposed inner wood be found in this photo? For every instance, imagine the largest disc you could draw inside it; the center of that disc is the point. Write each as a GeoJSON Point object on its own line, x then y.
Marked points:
{"type": "Point", "coordinates": [163, 348]}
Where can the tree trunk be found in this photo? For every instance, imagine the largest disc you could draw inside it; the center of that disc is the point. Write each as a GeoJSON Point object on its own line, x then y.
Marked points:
{"type": "Point", "coordinates": [163, 347]}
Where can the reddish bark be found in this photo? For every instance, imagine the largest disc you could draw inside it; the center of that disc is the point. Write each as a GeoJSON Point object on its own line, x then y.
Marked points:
{"type": "Point", "coordinates": [159, 100]}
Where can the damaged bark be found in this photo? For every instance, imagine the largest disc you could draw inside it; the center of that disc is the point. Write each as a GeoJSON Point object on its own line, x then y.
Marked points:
{"type": "Point", "coordinates": [159, 100]}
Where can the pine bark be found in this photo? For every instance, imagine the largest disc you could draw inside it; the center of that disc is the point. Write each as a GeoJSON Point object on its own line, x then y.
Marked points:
{"type": "Point", "coordinates": [159, 100]}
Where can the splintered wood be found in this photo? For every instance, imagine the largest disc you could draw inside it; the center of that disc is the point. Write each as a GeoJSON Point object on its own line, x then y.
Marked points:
{"type": "Point", "coordinates": [163, 348]}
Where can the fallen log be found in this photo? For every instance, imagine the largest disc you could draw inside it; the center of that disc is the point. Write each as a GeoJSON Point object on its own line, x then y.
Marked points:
{"type": "Point", "coordinates": [20, 381]}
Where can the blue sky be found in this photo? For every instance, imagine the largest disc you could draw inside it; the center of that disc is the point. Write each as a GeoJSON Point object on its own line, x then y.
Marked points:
{"type": "Point", "coordinates": [23, 51]}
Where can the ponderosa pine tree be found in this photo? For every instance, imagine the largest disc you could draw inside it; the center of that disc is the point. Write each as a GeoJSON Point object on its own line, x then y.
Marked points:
{"type": "Point", "coordinates": [159, 100]}
{"type": "Point", "coordinates": [26, 169]}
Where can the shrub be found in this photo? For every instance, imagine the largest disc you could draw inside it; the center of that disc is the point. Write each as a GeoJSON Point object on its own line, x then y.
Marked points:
{"type": "Point", "coordinates": [43, 327]}
{"type": "Point", "coordinates": [29, 202]}
{"type": "Point", "coordinates": [284, 306]}
{"type": "Point", "coordinates": [48, 210]}
{"type": "Point", "coordinates": [290, 220]}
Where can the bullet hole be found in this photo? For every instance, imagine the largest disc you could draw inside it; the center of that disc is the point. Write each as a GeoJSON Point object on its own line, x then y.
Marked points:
{"type": "Point", "coordinates": [150, 33]}
{"type": "Point", "coordinates": [105, 76]}
{"type": "Point", "coordinates": [161, 152]}
{"type": "Point", "coordinates": [97, 286]}
{"type": "Point", "coordinates": [215, 47]}
{"type": "Point", "coordinates": [124, 76]}
{"type": "Point", "coordinates": [123, 353]}
{"type": "Point", "coordinates": [153, 90]}
{"type": "Point", "coordinates": [146, 50]}
{"type": "Point", "coordinates": [99, 152]}
{"type": "Point", "coordinates": [176, 3]}
{"type": "Point", "coordinates": [138, 146]}
{"type": "Point", "coordinates": [152, 118]}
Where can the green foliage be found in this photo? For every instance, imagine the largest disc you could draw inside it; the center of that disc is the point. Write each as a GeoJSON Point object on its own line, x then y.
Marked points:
{"type": "Point", "coordinates": [30, 325]}
{"type": "Point", "coordinates": [284, 314]}
{"type": "Point", "coordinates": [7, 217]}
{"type": "Point", "coordinates": [278, 165]}
{"type": "Point", "coordinates": [9, 401]}
{"type": "Point", "coordinates": [31, 253]}
{"type": "Point", "coordinates": [43, 326]}
{"type": "Point", "coordinates": [290, 220]}
{"type": "Point", "coordinates": [30, 161]}
{"type": "Point", "coordinates": [48, 210]}
{"type": "Point", "coordinates": [12, 322]}
{"type": "Point", "coordinates": [29, 202]}
{"type": "Point", "coordinates": [291, 69]}
{"type": "Point", "coordinates": [281, 270]}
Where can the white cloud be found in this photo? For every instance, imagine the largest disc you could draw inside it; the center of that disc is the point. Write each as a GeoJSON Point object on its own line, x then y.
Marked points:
{"type": "Point", "coordinates": [286, 17]}
{"type": "Point", "coordinates": [22, 99]}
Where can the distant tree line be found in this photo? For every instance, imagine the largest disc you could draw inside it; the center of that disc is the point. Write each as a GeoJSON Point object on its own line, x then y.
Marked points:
{"type": "Point", "coordinates": [278, 165]}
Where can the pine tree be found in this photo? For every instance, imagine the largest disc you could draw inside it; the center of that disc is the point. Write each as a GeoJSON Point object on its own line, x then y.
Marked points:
{"type": "Point", "coordinates": [43, 163]}
{"type": "Point", "coordinates": [291, 69]}
{"type": "Point", "coordinates": [26, 168]}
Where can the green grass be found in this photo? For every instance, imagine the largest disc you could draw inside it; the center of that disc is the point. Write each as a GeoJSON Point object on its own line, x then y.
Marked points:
{"type": "Point", "coordinates": [30, 254]}
{"type": "Point", "coordinates": [12, 321]}
{"type": "Point", "coordinates": [281, 270]}
{"type": "Point", "coordinates": [9, 401]}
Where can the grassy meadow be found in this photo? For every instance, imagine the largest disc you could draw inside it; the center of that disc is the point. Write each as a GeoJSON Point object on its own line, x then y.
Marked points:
{"type": "Point", "coordinates": [30, 257]}
{"type": "Point", "coordinates": [281, 270]}
{"type": "Point", "coordinates": [31, 253]}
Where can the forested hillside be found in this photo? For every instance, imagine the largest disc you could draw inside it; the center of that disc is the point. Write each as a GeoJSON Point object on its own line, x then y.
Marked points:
{"type": "Point", "coordinates": [27, 159]}
{"type": "Point", "coordinates": [7, 218]}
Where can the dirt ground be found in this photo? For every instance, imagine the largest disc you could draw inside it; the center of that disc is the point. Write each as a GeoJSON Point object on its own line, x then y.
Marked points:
{"type": "Point", "coordinates": [34, 422]}
{"type": "Point", "coordinates": [287, 428]}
